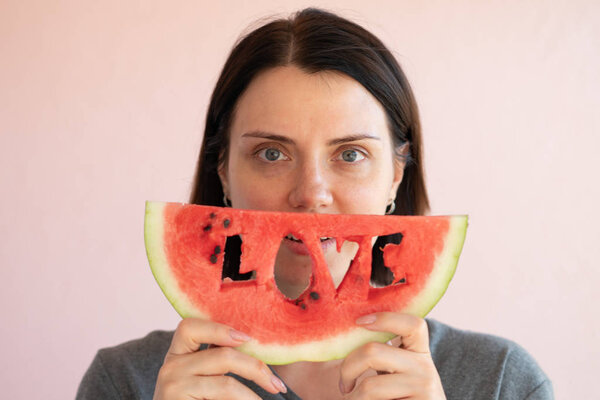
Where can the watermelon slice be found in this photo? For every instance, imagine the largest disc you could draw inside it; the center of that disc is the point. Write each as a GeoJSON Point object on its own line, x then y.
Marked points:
{"type": "Point", "coordinates": [185, 246]}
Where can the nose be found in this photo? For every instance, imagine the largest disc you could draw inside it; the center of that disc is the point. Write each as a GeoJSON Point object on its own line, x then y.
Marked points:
{"type": "Point", "coordinates": [310, 191]}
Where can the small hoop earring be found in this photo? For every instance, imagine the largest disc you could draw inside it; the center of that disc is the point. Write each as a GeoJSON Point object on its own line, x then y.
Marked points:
{"type": "Point", "coordinates": [226, 201]}
{"type": "Point", "coordinates": [392, 208]}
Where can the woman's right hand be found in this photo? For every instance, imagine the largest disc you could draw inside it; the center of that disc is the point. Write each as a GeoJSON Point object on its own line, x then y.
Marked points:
{"type": "Point", "coordinates": [191, 374]}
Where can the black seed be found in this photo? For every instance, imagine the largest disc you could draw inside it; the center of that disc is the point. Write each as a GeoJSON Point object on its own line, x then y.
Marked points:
{"type": "Point", "coordinates": [213, 259]}
{"type": "Point", "coordinates": [226, 223]}
{"type": "Point", "coordinates": [403, 280]}
{"type": "Point", "coordinates": [314, 295]}
{"type": "Point", "coordinates": [207, 228]}
{"type": "Point", "coordinates": [212, 215]}
{"type": "Point", "coordinates": [303, 306]}
{"type": "Point", "coordinates": [217, 249]}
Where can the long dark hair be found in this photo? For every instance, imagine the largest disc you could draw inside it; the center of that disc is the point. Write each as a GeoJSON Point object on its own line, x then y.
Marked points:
{"type": "Point", "coordinates": [314, 40]}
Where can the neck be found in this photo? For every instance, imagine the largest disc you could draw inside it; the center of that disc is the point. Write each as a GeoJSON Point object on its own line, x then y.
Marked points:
{"type": "Point", "coordinates": [323, 378]}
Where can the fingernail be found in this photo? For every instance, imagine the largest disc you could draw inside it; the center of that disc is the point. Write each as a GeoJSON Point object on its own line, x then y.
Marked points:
{"type": "Point", "coordinates": [239, 336]}
{"type": "Point", "coordinates": [342, 388]}
{"type": "Point", "coordinates": [366, 319]}
{"type": "Point", "coordinates": [278, 384]}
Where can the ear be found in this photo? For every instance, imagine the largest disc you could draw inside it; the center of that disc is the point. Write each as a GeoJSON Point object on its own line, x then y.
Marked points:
{"type": "Point", "coordinates": [400, 157]}
{"type": "Point", "coordinates": [222, 172]}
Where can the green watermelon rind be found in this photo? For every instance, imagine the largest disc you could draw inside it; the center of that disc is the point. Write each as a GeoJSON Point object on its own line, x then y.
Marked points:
{"type": "Point", "coordinates": [336, 347]}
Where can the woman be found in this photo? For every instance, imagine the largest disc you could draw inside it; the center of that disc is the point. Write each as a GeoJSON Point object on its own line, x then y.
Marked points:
{"type": "Point", "coordinates": [313, 114]}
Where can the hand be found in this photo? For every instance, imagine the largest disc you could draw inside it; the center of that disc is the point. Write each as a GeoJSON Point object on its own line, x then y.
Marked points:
{"type": "Point", "coordinates": [405, 369]}
{"type": "Point", "coordinates": [191, 374]}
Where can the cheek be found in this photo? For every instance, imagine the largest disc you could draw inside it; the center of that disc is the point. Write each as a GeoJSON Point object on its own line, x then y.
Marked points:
{"type": "Point", "coordinates": [364, 196]}
{"type": "Point", "coordinates": [366, 202]}
{"type": "Point", "coordinates": [248, 188]}
{"type": "Point", "coordinates": [252, 192]}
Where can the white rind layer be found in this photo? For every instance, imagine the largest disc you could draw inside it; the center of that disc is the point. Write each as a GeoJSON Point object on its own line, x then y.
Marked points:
{"type": "Point", "coordinates": [334, 347]}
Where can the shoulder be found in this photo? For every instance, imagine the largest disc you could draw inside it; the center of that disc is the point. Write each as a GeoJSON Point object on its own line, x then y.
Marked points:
{"type": "Point", "coordinates": [446, 341]}
{"type": "Point", "coordinates": [151, 347]}
{"type": "Point", "coordinates": [128, 370]}
{"type": "Point", "coordinates": [476, 365]}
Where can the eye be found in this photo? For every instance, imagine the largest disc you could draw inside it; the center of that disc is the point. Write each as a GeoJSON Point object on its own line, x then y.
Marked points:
{"type": "Point", "coordinates": [271, 154]}
{"type": "Point", "coordinates": [351, 155]}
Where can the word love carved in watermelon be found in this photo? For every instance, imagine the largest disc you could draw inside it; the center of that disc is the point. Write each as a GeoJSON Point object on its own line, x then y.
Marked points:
{"type": "Point", "coordinates": [185, 246]}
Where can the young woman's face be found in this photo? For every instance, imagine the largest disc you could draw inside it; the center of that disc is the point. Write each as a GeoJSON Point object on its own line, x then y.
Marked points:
{"type": "Point", "coordinates": [315, 143]}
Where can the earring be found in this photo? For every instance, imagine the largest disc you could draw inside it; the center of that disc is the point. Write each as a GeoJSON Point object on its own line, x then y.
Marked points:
{"type": "Point", "coordinates": [392, 207]}
{"type": "Point", "coordinates": [226, 201]}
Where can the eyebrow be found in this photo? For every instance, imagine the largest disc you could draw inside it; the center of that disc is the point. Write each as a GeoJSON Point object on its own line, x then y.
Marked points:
{"type": "Point", "coordinates": [287, 140]}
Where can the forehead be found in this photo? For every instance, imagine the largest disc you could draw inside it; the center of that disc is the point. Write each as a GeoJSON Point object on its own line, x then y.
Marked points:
{"type": "Point", "coordinates": [289, 100]}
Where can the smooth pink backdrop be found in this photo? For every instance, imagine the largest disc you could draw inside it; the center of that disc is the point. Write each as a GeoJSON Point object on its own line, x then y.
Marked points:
{"type": "Point", "coordinates": [102, 106]}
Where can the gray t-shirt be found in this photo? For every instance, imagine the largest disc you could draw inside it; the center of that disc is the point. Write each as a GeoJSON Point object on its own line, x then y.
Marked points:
{"type": "Point", "coordinates": [471, 366]}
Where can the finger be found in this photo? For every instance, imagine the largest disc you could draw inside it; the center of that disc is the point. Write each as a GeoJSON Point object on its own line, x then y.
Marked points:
{"type": "Point", "coordinates": [395, 342]}
{"type": "Point", "coordinates": [375, 356]}
{"type": "Point", "coordinates": [413, 330]}
{"type": "Point", "coordinates": [222, 360]}
{"type": "Point", "coordinates": [383, 387]}
{"type": "Point", "coordinates": [192, 332]}
{"type": "Point", "coordinates": [214, 387]}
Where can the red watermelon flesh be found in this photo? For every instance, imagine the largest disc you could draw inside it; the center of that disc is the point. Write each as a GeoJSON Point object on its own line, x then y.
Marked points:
{"type": "Point", "coordinates": [185, 246]}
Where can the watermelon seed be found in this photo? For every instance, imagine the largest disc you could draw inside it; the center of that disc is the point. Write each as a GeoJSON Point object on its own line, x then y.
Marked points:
{"type": "Point", "coordinates": [300, 303]}
{"type": "Point", "coordinates": [217, 249]}
{"type": "Point", "coordinates": [403, 280]}
{"type": "Point", "coordinates": [207, 228]}
{"type": "Point", "coordinates": [213, 259]}
{"type": "Point", "coordinates": [212, 215]}
{"type": "Point", "coordinates": [314, 295]}
{"type": "Point", "coordinates": [226, 223]}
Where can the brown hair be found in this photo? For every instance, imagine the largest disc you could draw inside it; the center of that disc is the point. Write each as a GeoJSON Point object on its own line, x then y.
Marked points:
{"type": "Point", "coordinates": [314, 40]}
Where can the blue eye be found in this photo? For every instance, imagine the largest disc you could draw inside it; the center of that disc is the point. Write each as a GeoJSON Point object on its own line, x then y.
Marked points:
{"type": "Point", "coordinates": [352, 155]}
{"type": "Point", "coordinates": [271, 154]}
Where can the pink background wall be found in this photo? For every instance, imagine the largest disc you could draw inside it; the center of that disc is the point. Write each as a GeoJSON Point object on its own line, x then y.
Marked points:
{"type": "Point", "coordinates": [102, 106]}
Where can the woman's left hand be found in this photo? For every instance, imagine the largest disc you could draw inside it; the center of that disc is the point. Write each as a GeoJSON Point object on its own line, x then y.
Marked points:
{"type": "Point", "coordinates": [405, 369]}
